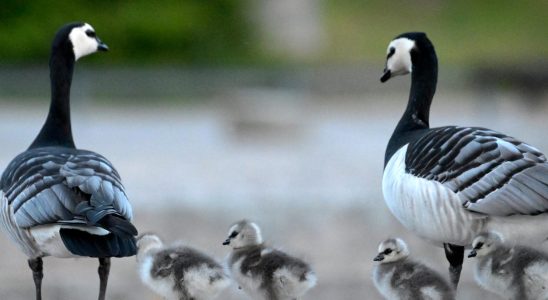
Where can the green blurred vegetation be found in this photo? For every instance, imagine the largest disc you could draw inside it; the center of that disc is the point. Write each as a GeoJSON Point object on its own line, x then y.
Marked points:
{"type": "Point", "coordinates": [463, 31]}
{"type": "Point", "coordinates": [139, 31]}
{"type": "Point", "coordinates": [224, 32]}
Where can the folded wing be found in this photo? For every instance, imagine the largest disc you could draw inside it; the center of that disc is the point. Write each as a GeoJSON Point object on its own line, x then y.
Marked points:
{"type": "Point", "coordinates": [492, 173]}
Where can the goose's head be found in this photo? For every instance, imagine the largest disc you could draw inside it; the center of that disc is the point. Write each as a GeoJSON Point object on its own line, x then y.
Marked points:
{"type": "Point", "coordinates": [485, 243]}
{"type": "Point", "coordinates": [403, 52]}
{"type": "Point", "coordinates": [243, 234]}
{"type": "Point", "coordinates": [392, 249]}
{"type": "Point", "coordinates": [77, 40]}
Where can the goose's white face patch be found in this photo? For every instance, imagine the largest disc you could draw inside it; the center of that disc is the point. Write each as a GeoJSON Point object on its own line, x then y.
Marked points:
{"type": "Point", "coordinates": [399, 56]}
{"type": "Point", "coordinates": [83, 41]}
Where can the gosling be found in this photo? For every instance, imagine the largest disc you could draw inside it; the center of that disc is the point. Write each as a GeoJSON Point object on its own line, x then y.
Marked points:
{"type": "Point", "coordinates": [179, 272]}
{"type": "Point", "coordinates": [398, 277]}
{"type": "Point", "coordinates": [512, 272]}
{"type": "Point", "coordinates": [262, 272]}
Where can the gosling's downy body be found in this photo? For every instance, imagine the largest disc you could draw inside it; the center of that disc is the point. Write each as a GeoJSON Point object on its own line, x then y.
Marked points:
{"type": "Point", "coordinates": [398, 277]}
{"type": "Point", "coordinates": [179, 272]}
{"type": "Point", "coordinates": [262, 272]}
{"type": "Point", "coordinates": [512, 272]}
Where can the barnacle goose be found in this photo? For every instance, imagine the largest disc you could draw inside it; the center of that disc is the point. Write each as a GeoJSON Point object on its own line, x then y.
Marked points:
{"type": "Point", "coordinates": [397, 276]}
{"type": "Point", "coordinates": [265, 273]}
{"type": "Point", "coordinates": [510, 271]}
{"type": "Point", "coordinates": [58, 200]}
{"type": "Point", "coordinates": [448, 184]}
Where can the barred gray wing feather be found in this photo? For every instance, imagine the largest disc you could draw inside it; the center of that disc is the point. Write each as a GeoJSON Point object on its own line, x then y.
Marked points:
{"type": "Point", "coordinates": [492, 173]}
{"type": "Point", "coordinates": [54, 184]}
{"type": "Point", "coordinates": [95, 176]}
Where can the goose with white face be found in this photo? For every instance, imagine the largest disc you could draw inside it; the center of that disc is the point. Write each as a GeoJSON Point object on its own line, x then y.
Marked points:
{"type": "Point", "coordinates": [398, 58]}
{"type": "Point", "coordinates": [85, 41]}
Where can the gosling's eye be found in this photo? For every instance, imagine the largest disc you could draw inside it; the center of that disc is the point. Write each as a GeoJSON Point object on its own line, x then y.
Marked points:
{"type": "Point", "coordinates": [391, 52]}
{"type": "Point", "coordinates": [479, 245]}
{"type": "Point", "coordinates": [387, 251]}
{"type": "Point", "coordinates": [233, 234]}
{"type": "Point", "coordinates": [90, 33]}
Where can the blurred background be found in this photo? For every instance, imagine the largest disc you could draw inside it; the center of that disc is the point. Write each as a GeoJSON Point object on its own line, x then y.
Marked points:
{"type": "Point", "coordinates": [270, 110]}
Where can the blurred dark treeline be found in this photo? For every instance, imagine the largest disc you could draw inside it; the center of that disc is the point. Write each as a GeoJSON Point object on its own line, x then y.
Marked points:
{"type": "Point", "coordinates": [175, 49]}
{"type": "Point", "coordinates": [267, 32]}
{"type": "Point", "coordinates": [189, 31]}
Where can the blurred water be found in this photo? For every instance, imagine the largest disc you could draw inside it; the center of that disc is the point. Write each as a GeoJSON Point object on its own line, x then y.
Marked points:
{"type": "Point", "coordinates": [307, 168]}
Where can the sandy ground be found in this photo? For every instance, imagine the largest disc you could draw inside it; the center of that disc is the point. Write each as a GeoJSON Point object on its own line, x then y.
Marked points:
{"type": "Point", "coordinates": [308, 171]}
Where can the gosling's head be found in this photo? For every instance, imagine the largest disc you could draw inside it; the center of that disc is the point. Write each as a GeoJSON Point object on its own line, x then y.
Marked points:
{"type": "Point", "coordinates": [242, 234]}
{"type": "Point", "coordinates": [485, 243]}
{"type": "Point", "coordinates": [148, 242]}
{"type": "Point", "coordinates": [392, 249]}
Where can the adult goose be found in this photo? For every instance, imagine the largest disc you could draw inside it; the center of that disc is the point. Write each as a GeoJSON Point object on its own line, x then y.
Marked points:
{"type": "Point", "coordinates": [58, 200]}
{"type": "Point", "coordinates": [448, 184]}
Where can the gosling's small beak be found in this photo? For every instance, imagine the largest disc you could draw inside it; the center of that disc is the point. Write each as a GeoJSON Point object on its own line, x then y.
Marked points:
{"type": "Point", "coordinates": [101, 46]}
{"type": "Point", "coordinates": [379, 257]}
{"type": "Point", "coordinates": [473, 253]}
{"type": "Point", "coordinates": [226, 242]}
{"type": "Point", "coordinates": [387, 74]}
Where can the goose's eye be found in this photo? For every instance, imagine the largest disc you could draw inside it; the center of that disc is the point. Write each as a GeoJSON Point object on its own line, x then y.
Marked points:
{"type": "Point", "coordinates": [391, 52]}
{"type": "Point", "coordinates": [90, 33]}
{"type": "Point", "coordinates": [387, 251]}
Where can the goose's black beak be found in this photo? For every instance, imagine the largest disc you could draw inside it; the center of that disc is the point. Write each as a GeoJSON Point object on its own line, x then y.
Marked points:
{"type": "Point", "coordinates": [101, 46]}
{"type": "Point", "coordinates": [387, 74]}
{"type": "Point", "coordinates": [473, 253]}
{"type": "Point", "coordinates": [379, 257]}
{"type": "Point", "coordinates": [226, 242]}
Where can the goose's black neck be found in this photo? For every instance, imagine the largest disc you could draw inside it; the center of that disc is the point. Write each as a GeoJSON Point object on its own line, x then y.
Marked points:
{"type": "Point", "coordinates": [57, 128]}
{"type": "Point", "coordinates": [424, 77]}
